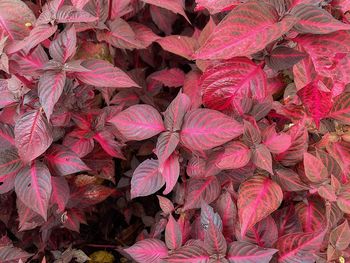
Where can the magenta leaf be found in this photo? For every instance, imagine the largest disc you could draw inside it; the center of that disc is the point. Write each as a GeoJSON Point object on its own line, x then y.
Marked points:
{"type": "Point", "coordinates": [138, 122]}
{"type": "Point", "coordinates": [192, 88]}
{"type": "Point", "coordinates": [208, 216]}
{"type": "Point", "coordinates": [166, 145]}
{"type": "Point", "coordinates": [227, 210]}
{"type": "Point", "coordinates": [214, 240]}
{"type": "Point", "coordinates": [244, 252]}
{"type": "Point", "coordinates": [226, 83]}
{"type": "Point", "coordinates": [103, 74]}
{"type": "Point", "coordinates": [193, 252]}
{"type": "Point", "coordinates": [236, 155]}
{"type": "Point", "coordinates": [180, 45]}
{"type": "Point", "coordinates": [311, 215]}
{"type": "Point", "coordinates": [283, 57]}
{"type": "Point", "coordinates": [262, 158]}
{"type": "Point", "coordinates": [81, 146]}
{"type": "Point", "coordinates": [257, 198]}
{"type": "Point", "coordinates": [217, 6]}
{"type": "Point", "coordinates": [173, 77]}
{"type": "Point", "coordinates": [315, 171]}
{"type": "Point", "coordinates": [148, 250]}
{"type": "Point", "coordinates": [341, 110]}
{"type": "Point", "coordinates": [173, 235]}
{"type": "Point", "coordinates": [204, 129]}
{"type": "Point", "coordinates": [33, 187]}
{"type": "Point", "coordinates": [33, 135]}
{"type": "Point", "coordinates": [165, 204]}
{"type": "Point", "coordinates": [288, 180]}
{"type": "Point", "coordinates": [70, 14]}
{"type": "Point", "coordinates": [174, 114]}
{"type": "Point", "coordinates": [50, 88]}
{"type": "Point", "coordinates": [170, 170]}
{"type": "Point", "coordinates": [109, 144]}
{"type": "Point", "coordinates": [64, 46]}
{"type": "Point", "coordinates": [146, 179]}
{"type": "Point", "coordinates": [312, 19]}
{"type": "Point", "coordinates": [234, 36]}
{"type": "Point", "coordinates": [276, 143]}
{"type": "Point", "coordinates": [63, 161]}
{"type": "Point", "coordinates": [60, 192]}
{"type": "Point", "coordinates": [175, 6]}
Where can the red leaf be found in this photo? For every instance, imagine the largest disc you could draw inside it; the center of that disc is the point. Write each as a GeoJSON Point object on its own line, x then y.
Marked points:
{"type": "Point", "coordinates": [283, 57]}
{"type": "Point", "coordinates": [236, 155]}
{"type": "Point", "coordinates": [174, 114]}
{"type": "Point", "coordinates": [109, 145]}
{"type": "Point", "coordinates": [193, 252]}
{"type": "Point", "coordinates": [311, 215]}
{"type": "Point", "coordinates": [242, 252]}
{"type": "Point", "coordinates": [175, 6]}
{"type": "Point", "coordinates": [166, 145]}
{"type": "Point", "coordinates": [192, 88]}
{"type": "Point", "coordinates": [288, 180]}
{"type": "Point", "coordinates": [299, 247]}
{"type": "Point", "coordinates": [60, 192]}
{"type": "Point", "coordinates": [79, 4]}
{"type": "Point", "coordinates": [70, 14]}
{"type": "Point", "coordinates": [204, 129]}
{"type": "Point", "coordinates": [257, 198]}
{"type": "Point", "coordinates": [262, 158]}
{"type": "Point", "coordinates": [104, 74]}
{"type": "Point", "coordinates": [227, 210]}
{"type": "Point", "coordinates": [50, 88]}
{"type": "Point", "coordinates": [315, 171]}
{"type": "Point", "coordinates": [214, 240]}
{"type": "Point", "coordinates": [225, 84]}
{"type": "Point", "coordinates": [216, 6]}
{"type": "Point", "coordinates": [9, 162]}
{"type": "Point", "coordinates": [170, 170]}
{"type": "Point", "coordinates": [138, 122]}
{"type": "Point", "coordinates": [173, 235]}
{"type": "Point", "coordinates": [234, 36]}
{"type": "Point", "coordinates": [143, 34]}
{"type": "Point", "coordinates": [33, 135]}
{"type": "Point", "coordinates": [62, 161]}
{"type": "Point", "coordinates": [146, 179]}
{"type": "Point", "coordinates": [180, 45]}
{"type": "Point", "coordinates": [341, 108]}
{"type": "Point", "coordinates": [33, 187]}
{"type": "Point", "coordinates": [201, 189]}
{"type": "Point", "coordinates": [81, 146]}
{"type": "Point", "coordinates": [148, 250]}
{"type": "Point", "coordinates": [276, 143]}
{"type": "Point", "coordinates": [173, 77]}
{"type": "Point", "coordinates": [64, 46]}
{"type": "Point", "coordinates": [315, 20]}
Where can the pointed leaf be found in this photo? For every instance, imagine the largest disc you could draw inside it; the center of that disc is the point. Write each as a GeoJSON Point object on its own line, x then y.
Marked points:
{"type": "Point", "coordinates": [148, 250]}
{"type": "Point", "coordinates": [341, 108]}
{"type": "Point", "coordinates": [33, 187]}
{"type": "Point", "coordinates": [64, 46]}
{"type": "Point", "coordinates": [170, 172]}
{"type": "Point", "coordinates": [10, 162]}
{"type": "Point", "coordinates": [173, 77]}
{"type": "Point", "coordinates": [174, 114]}
{"type": "Point", "coordinates": [288, 180]}
{"type": "Point", "coordinates": [166, 145]}
{"type": "Point", "coordinates": [277, 143]}
{"type": "Point", "coordinates": [109, 144]}
{"type": "Point", "coordinates": [315, 171]}
{"type": "Point", "coordinates": [165, 204]}
{"type": "Point", "coordinates": [343, 200]}
{"type": "Point", "coordinates": [6, 136]}
{"type": "Point", "coordinates": [70, 14]}
{"type": "Point", "coordinates": [311, 215]}
{"type": "Point", "coordinates": [262, 158]}
{"type": "Point", "coordinates": [138, 122]}
{"type": "Point", "coordinates": [193, 252]}
{"type": "Point", "coordinates": [340, 236]}
{"type": "Point", "coordinates": [283, 57]}
{"type": "Point", "coordinates": [180, 45]}
{"type": "Point", "coordinates": [60, 192]}
{"type": "Point", "coordinates": [11, 254]}
{"type": "Point", "coordinates": [175, 6]}
{"type": "Point", "coordinates": [33, 135]}
{"type": "Point", "coordinates": [173, 235]}
{"type": "Point", "coordinates": [217, 6]}
{"type": "Point", "coordinates": [244, 252]}
{"type": "Point", "coordinates": [227, 210]}
{"type": "Point", "coordinates": [236, 155]}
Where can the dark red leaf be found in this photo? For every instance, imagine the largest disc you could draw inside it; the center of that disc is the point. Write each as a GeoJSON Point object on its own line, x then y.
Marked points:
{"type": "Point", "coordinates": [284, 57]}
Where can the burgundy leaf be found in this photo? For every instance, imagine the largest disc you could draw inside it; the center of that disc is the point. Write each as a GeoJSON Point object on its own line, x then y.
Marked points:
{"type": "Point", "coordinates": [62, 161]}
{"type": "Point", "coordinates": [174, 114]}
{"type": "Point", "coordinates": [192, 88]}
{"type": "Point", "coordinates": [204, 129]}
{"type": "Point", "coordinates": [315, 171]}
{"type": "Point", "coordinates": [234, 36]}
{"type": "Point", "coordinates": [327, 192]}
{"type": "Point", "coordinates": [148, 250]}
{"type": "Point", "coordinates": [138, 122]}
{"type": "Point", "coordinates": [262, 158]}
{"type": "Point", "coordinates": [225, 84]}
{"type": "Point", "coordinates": [193, 252]}
{"type": "Point", "coordinates": [257, 198]}
{"type": "Point", "coordinates": [284, 57]}
{"type": "Point", "coordinates": [288, 180]}
{"type": "Point", "coordinates": [173, 77]}
{"type": "Point", "coordinates": [214, 240]}
{"type": "Point", "coordinates": [251, 135]}
{"type": "Point", "coordinates": [143, 34]}
{"type": "Point", "coordinates": [33, 135]}
{"type": "Point", "coordinates": [146, 179]}
{"type": "Point", "coordinates": [341, 110]}
{"type": "Point", "coordinates": [64, 46]}
{"type": "Point", "coordinates": [173, 235]}
{"type": "Point", "coordinates": [180, 45]}
{"type": "Point", "coordinates": [81, 146]}
{"type": "Point", "coordinates": [70, 14]}
{"type": "Point", "coordinates": [343, 200]}
{"type": "Point", "coordinates": [6, 136]}
{"type": "Point", "coordinates": [175, 6]}
{"type": "Point", "coordinates": [340, 236]}
{"type": "Point", "coordinates": [60, 192]}
{"type": "Point", "coordinates": [166, 145]}
{"type": "Point", "coordinates": [227, 210]}
{"type": "Point", "coordinates": [11, 254]}
{"type": "Point", "coordinates": [311, 215]}
{"type": "Point", "coordinates": [10, 162]}
{"type": "Point", "coordinates": [236, 155]}
{"type": "Point", "coordinates": [33, 187]}
{"type": "Point", "coordinates": [208, 216]}
{"type": "Point", "coordinates": [28, 219]}
{"type": "Point", "coordinates": [312, 19]}
{"type": "Point", "coordinates": [50, 88]}
{"type": "Point", "coordinates": [109, 145]}
{"type": "Point", "coordinates": [104, 74]}
{"type": "Point", "coordinates": [170, 170]}
{"type": "Point", "coordinates": [244, 252]}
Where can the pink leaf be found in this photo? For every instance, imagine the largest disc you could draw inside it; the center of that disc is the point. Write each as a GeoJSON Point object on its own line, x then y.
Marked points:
{"type": "Point", "coordinates": [60, 192]}
{"type": "Point", "coordinates": [33, 135]}
{"type": "Point", "coordinates": [173, 235]}
{"type": "Point", "coordinates": [214, 240]}
{"type": "Point", "coordinates": [81, 146]}
{"type": "Point", "coordinates": [192, 88]}
{"type": "Point", "coordinates": [193, 252]}
{"type": "Point", "coordinates": [170, 170]}
{"type": "Point", "coordinates": [175, 6]}
{"type": "Point", "coordinates": [174, 114]}
{"type": "Point", "coordinates": [64, 46]}
{"type": "Point", "coordinates": [6, 136]}
{"type": "Point", "coordinates": [50, 88]}
{"type": "Point", "coordinates": [343, 200]}
{"type": "Point", "coordinates": [276, 143]}
{"type": "Point", "coordinates": [166, 145]}
{"type": "Point", "coordinates": [180, 45]}
{"type": "Point", "coordinates": [257, 198]}
{"type": "Point", "coordinates": [227, 210]}
{"type": "Point", "coordinates": [138, 122]}
{"type": "Point", "coordinates": [315, 20]}
{"type": "Point", "coordinates": [143, 34]}
{"type": "Point", "coordinates": [62, 161]}
{"type": "Point", "coordinates": [311, 215]}
{"type": "Point", "coordinates": [236, 155]}
{"type": "Point", "coordinates": [283, 57]}
{"type": "Point", "coordinates": [148, 250]}
{"type": "Point", "coordinates": [109, 144]}
{"type": "Point", "coordinates": [234, 37]}
{"type": "Point", "coordinates": [173, 77]}
{"type": "Point", "coordinates": [79, 4]}
{"type": "Point", "coordinates": [340, 236]}
{"type": "Point", "coordinates": [33, 187]}
{"type": "Point", "coordinates": [226, 83]}
{"type": "Point", "coordinates": [146, 179]}
{"type": "Point", "coordinates": [341, 109]}
{"type": "Point", "coordinates": [288, 180]}
{"type": "Point", "coordinates": [315, 171]}
{"type": "Point", "coordinates": [70, 14]}
{"type": "Point", "coordinates": [204, 129]}
{"type": "Point", "coordinates": [11, 254]}
{"type": "Point", "coordinates": [216, 6]}
{"type": "Point", "coordinates": [262, 158]}
{"type": "Point", "coordinates": [165, 204]}
{"type": "Point", "coordinates": [104, 74]}
{"type": "Point", "coordinates": [242, 252]}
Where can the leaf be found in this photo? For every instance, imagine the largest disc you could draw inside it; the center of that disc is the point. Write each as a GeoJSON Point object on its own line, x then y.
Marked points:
{"type": "Point", "coordinates": [192, 88]}
{"type": "Point", "coordinates": [311, 215]}
{"type": "Point", "coordinates": [227, 210]}
{"type": "Point", "coordinates": [276, 143]}
{"type": "Point", "coordinates": [14, 14]}
{"type": "Point", "coordinates": [104, 74]}
{"type": "Point", "coordinates": [6, 136]}
{"type": "Point", "coordinates": [64, 46]}
{"type": "Point", "coordinates": [299, 247]}
{"type": "Point", "coordinates": [315, 171]}
{"type": "Point", "coordinates": [315, 20]}
{"type": "Point", "coordinates": [175, 6]}
{"type": "Point", "coordinates": [343, 200]}
{"type": "Point", "coordinates": [288, 180]}
{"type": "Point", "coordinates": [174, 114]}
{"type": "Point", "coordinates": [214, 240]}
{"type": "Point", "coordinates": [33, 135]}
{"type": "Point", "coordinates": [10, 162]}
{"type": "Point", "coordinates": [148, 250]}
{"type": "Point", "coordinates": [234, 37]}
{"type": "Point", "coordinates": [11, 254]}
{"type": "Point", "coordinates": [236, 155]}
{"type": "Point", "coordinates": [244, 252]}
{"type": "Point", "coordinates": [202, 189]}
{"type": "Point", "coordinates": [208, 216]}
{"type": "Point", "coordinates": [252, 134]}
{"type": "Point", "coordinates": [62, 161]}
{"type": "Point", "coordinates": [193, 252]}
{"type": "Point", "coordinates": [257, 198]}
{"type": "Point", "coordinates": [341, 109]}
{"type": "Point", "coordinates": [109, 144]}
{"type": "Point", "coordinates": [80, 146]}
{"type": "Point", "coordinates": [172, 77]}
{"type": "Point", "coordinates": [146, 179]}
{"type": "Point", "coordinates": [60, 192]}
{"type": "Point", "coordinates": [204, 129]}
{"type": "Point", "coordinates": [226, 83]}
{"type": "Point", "coordinates": [173, 235]}
{"type": "Point", "coordinates": [70, 14]}
{"type": "Point", "coordinates": [79, 4]}
{"type": "Point", "coordinates": [50, 88]}
{"type": "Point", "coordinates": [170, 170]}
{"type": "Point", "coordinates": [165, 204]}
{"type": "Point", "coordinates": [166, 145]}
{"type": "Point", "coordinates": [327, 192]}
{"type": "Point", "coordinates": [33, 187]}
{"type": "Point", "coordinates": [262, 158]}
{"type": "Point", "coordinates": [217, 6]}
{"type": "Point", "coordinates": [138, 122]}
{"type": "Point", "coordinates": [180, 45]}
{"type": "Point", "coordinates": [340, 236]}
{"type": "Point", "coordinates": [317, 102]}
{"type": "Point", "coordinates": [283, 57]}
